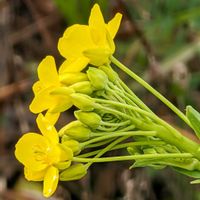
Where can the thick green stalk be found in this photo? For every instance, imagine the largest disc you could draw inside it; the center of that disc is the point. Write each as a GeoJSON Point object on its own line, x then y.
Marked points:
{"type": "Point", "coordinates": [134, 157]}
{"type": "Point", "coordinates": [124, 145]}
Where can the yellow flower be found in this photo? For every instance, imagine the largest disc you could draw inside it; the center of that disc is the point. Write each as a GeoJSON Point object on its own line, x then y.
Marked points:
{"type": "Point", "coordinates": [91, 43]}
{"type": "Point", "coordinates": [40, 153]}
{"type": "Point", "coordinates": [48, 82]}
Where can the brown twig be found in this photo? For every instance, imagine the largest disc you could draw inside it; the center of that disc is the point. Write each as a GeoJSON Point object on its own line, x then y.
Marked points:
{"type": "Point", "coordinates": [8, 91]}
{"type": "Point", "coordinates": [48, 40]}
{"type": "Point", "coordinates": [31, 29]}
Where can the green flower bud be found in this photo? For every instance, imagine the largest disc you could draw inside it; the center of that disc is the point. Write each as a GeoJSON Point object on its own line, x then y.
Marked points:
{"type": "Point", "coordinates": [133, 150]}
{"type": "Point", "coordinates": [64, 137]}
{"type": "Point", "coordinates": [112, 75]}
{"type": "Point", "coordinates": [74, 172]}
{"type": "Point", "coordinates": [73, 145]}
{"type": "Point", "coordinates": [84, 87]}
{"type": "Point", "coordinates": [83, 102]}
{"type": "Point", "coordinates": [71, 78]}
{"type": "Point", "coordinates": [149, 151]}
{"type": "Point", "coordinates": [76, 130]}
{"type": "Point", "coordinates": [63, 165]}
{"type": "Point", "coordinates": [97, 77]}
{"type": "Point", "coordinates": [91, 119]}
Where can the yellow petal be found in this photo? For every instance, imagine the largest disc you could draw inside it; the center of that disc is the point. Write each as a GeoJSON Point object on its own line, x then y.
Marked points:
{"type": "Point", "coordinates": [66, 153]}
{"type": "Point", "coordinates": [73, 77]}
{"type": "Point", "coordinates": [47, 129]}
{"type": "Point", "coordinates": [98, 56]}
{"type": "Point", "coordinates": [47, 71]}
{"type": "Point", "coordinates": [113, 25]}
{"type": "Point", "coordinates": [62, 105]}
{"type": "Point", "coordinates": [42, 101]}
{"type": "Point", "coordinates": [32, 175]}
{"type": "Point", "coordinates": [97, 25]}
{"type": "Point", "coordinates": [75, 40]}
{"type": "Point", "coordinates": [26, 147]}
{"type": "Point", "coordinates": [52, 117]}
{"type": "Point", "coordinates": [50, 181]}
{"type": "Point", "coordinates": [37, 87]}
{"type": "Point", "coordinates": [76, 65]}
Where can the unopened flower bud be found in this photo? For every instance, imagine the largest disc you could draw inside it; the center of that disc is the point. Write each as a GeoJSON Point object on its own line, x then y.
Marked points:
{"type": "Point", "coordinates": [76, 130]}
{"type": "Point", "coordinates": [74, 172]}
{"type": "Point", "coordinates": [97, 77]}
{"type": "Point", "coordinates": [63, 165]}
{"type": "Point", "coordinates": [73, 145]}
{"type": "Point", "coordinates": [84, 87]}
{"type": "Point", "coordinates": [112, 75]}
{"type": "Point", "coordinates": [149, 151]}
{"type": "Point", "coordinates": [91, 119]}
{"type": "Point", "coordinates": [71, 78]}
{"type": "Point", "coordinates": [83, 101]}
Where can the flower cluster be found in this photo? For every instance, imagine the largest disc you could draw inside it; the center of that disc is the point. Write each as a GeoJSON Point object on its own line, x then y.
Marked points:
{"type": "Point", "coordinates": [49, 156]}
{"type": "Point", "coordinates": [108, 114]}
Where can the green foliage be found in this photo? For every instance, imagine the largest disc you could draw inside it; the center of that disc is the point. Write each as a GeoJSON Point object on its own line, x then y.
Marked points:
{"type": "Point", "coordinates": [194, 117]}
{"type": "Point", "coordinates": [77, 11]}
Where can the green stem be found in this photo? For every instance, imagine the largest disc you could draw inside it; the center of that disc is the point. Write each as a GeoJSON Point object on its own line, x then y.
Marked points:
{"type": "Point", "coordinates": [110, 146]}
{"type": "Point", "coordinates": [127, 122]}
{"type": "Point", "coordinates": [139, 123]}
{"type": "Point", "coordinates": [134, 157]}
{"type": "Point", "coordinates": [129, 93]}
{"type": "Point", "coordinates": [101, 143]}
{"type": "Point", "coordinates": [151, 89]}
{"type": "Point", "coordinates": [118, 134]}
{"type": "Point", "coordinates": [124, 145]}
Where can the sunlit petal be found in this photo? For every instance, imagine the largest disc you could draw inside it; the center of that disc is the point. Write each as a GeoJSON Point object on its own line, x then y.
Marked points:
{"type": "Point", "coordinates": [113, 25]}
{"type": "Point", "coordinates": [47, 71]}
{"type": "Point", "coordinates": [47, 129]}
{"type": "Point", "coordinates": [28, 151]}
{"type": "Point", "coordinates": [50, 181]}
{"type": "Point", "coordinates": [32, 175]}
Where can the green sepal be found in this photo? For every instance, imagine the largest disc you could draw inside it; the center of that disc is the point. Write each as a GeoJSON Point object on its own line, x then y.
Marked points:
{"type": "Point", "coordinates": [112, 75]}
{"type": "Point", "coordinates": [97, 77]}
{"type": "Point", "coordinates": [75, 130]}
{"type": "Point", "coordinates": [194, 118]}
{"type": "Point", "coordinates": [74, 172]}
{"type": "Point", "coordinates": [90, 119]}
{"type": "Point", "coordinates": [83, 101]}
{"type": "Point", "coordinates": [63, 165]}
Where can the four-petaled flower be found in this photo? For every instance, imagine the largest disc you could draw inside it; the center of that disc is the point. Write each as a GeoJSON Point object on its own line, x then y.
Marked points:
{"type": "Point", "coordinates": [91, 43]}
{"type": "Point", "coordinates": [41, 153]}
{"type": "Point", "coordinates": [48, 82]}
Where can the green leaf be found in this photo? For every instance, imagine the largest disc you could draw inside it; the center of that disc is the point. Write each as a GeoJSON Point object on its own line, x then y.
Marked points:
{"type": "Point", "coordinates": [193, 174]}
{"type": "Point", "coordinates": [194, 118]}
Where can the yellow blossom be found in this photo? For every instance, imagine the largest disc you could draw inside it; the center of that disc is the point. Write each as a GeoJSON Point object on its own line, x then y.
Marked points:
{"type": "Point", "coordinates": [41, 153]}
{"type": "Point", "coordinates": [91, 43]}
{"type": "Point", "coordinates": [48, 82]}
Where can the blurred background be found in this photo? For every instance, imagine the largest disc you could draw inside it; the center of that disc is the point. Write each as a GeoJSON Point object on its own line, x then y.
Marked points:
{"type": "Point", "coordinates": [158, 39]}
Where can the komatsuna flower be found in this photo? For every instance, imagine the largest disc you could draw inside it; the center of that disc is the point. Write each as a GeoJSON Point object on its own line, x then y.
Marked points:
{"type": "Point", "coordinates": [40, 154]}
{"type": "Point", "coordinates": [48, 82]}
{"type": "Point", "coordinates": [91, 43]}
